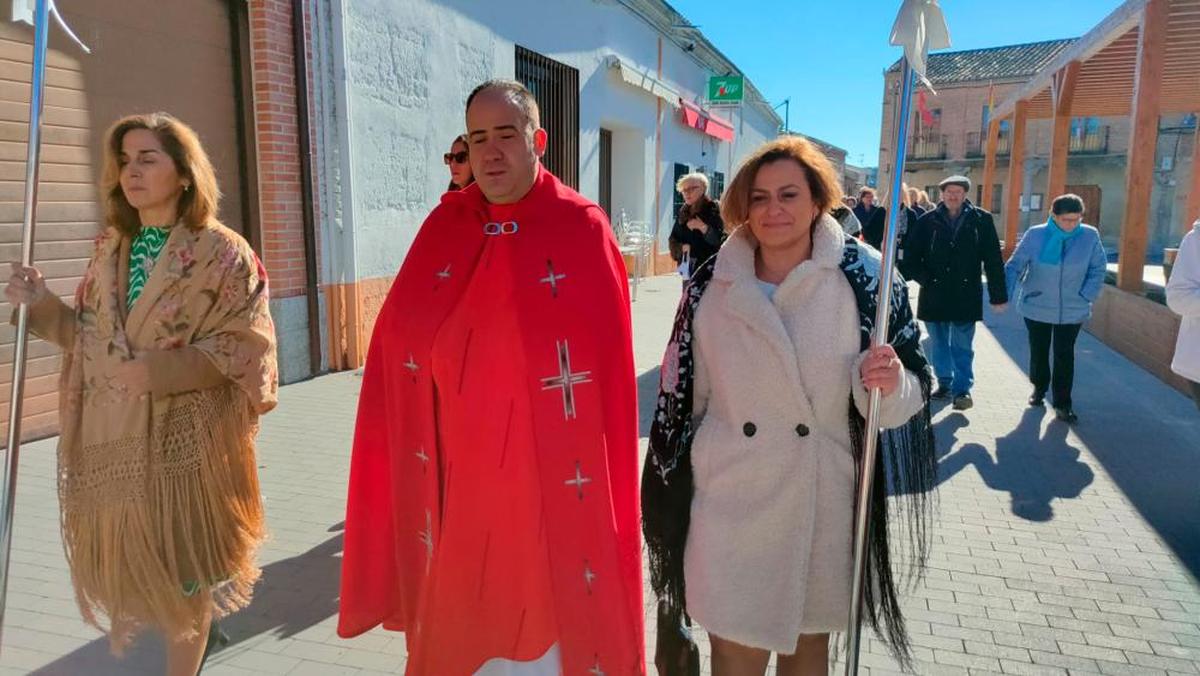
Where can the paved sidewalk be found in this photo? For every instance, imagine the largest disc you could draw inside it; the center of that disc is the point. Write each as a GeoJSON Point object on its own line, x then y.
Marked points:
{"type": "Point", "coordinates": [1058, 550]}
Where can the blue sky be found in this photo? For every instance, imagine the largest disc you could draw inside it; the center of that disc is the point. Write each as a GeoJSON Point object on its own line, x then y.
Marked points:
{"type": "Point", "coordinates": [828, 56]}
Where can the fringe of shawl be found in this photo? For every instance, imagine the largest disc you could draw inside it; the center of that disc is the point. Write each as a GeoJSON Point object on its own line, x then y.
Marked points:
{"type": "Point", "coordinates": [191, 513]}
{"type": "Point", "coordinates": [906, 469]}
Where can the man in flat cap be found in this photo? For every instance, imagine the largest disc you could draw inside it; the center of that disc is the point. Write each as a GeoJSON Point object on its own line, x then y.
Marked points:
{"type": "Point", "coordinates": [946, 251]}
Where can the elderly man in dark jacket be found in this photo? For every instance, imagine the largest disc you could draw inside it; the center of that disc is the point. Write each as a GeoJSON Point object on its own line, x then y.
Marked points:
{"type": "Point", "coordinates": [945, 253]}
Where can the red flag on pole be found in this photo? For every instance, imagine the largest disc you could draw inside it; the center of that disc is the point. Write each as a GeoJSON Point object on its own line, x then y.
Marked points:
{"type": "Point", "coordinates": [923, 108]}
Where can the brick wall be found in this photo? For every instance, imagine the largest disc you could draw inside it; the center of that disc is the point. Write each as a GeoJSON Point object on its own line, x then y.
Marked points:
{"type": "Point", "coordinates": [276, 133]}
{"type": "Point", "coordinates": [1141, 329]}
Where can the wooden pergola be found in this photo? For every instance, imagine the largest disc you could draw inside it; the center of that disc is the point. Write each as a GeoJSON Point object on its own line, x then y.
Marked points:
{"type": "Point", "coordinates": [1142, 61]}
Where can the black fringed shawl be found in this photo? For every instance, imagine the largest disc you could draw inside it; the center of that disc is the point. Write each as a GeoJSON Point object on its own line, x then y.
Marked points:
{"type": "Point", "coordinates": [906, 454]}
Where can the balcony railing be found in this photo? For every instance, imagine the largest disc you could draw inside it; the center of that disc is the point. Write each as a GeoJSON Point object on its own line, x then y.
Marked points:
{"type": "Point", "coordinates": [1091, 142]}
{"type": "Point", "coordinates": [927, 147]}
{"type": "Point", "coordinates": [976, 144]}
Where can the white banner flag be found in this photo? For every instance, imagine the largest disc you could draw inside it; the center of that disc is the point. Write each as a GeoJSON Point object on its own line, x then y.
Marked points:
{"type": "Point", "coordinates": [920, 26]}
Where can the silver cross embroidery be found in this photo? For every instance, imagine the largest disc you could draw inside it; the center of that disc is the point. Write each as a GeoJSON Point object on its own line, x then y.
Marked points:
{"type": "Point", "coordinates": [579, 480]}
{"type": "Point", "coordinates": [596, 670]}
{"type": "Point", "coordinates": [552, 279]}
{"type": "Point", "coordinates": [423, 457]}
{"type": "Point", "coordinates": [588, 576]}
{"type": "Point", "coordinates": [444, 274]}
{"type": "Point", "coordinates": [411, 364]}
{"type": "Point", "coordinates": [426, 537]}
{"type": "Point", "coordinates": [566, 380]}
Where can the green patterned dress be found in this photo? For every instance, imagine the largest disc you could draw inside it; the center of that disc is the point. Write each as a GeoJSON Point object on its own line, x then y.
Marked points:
{"type": "Point", "coordinates": [143, 253]}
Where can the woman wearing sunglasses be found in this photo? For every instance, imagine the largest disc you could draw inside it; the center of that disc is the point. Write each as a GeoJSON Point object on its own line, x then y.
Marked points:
{"type": "Point", "coordinates": [460, 168]}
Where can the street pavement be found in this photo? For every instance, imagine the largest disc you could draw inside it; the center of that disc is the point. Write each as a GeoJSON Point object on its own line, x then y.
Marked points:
{"type": "Point", "coordinates": [1057, 550]}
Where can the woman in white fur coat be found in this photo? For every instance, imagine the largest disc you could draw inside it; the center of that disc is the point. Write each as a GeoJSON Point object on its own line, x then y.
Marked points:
{"type": "Point", "coordinates": [1183, 296]}
{"type": "Point", "coordinates": [775, 352]}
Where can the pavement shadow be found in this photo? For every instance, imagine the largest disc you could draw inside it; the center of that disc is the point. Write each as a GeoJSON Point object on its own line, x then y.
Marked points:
{"type": "Point", "coordinates": [146, 656]}
{"type": "Point", "coordinates": [945, 435]}
{"type": "Point", "coordinates": [294, 594]}
{"type": "Point", "coordinates": [1035, 470]}
{"type": "Point", "coordinates": [647, 393]}
{"type": "Point", "coordinates": [1139, 429]}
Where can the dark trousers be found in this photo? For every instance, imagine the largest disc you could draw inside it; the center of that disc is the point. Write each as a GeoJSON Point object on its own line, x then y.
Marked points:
{"type": "Point", "coordinates": [1042, 338]}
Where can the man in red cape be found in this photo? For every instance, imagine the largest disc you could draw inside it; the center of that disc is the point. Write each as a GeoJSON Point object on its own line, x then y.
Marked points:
{"type": "Point", "coordinates": [493, 508]}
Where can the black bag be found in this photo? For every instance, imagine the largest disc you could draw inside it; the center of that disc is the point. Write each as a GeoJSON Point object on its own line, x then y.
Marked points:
{"type": "Point", "coordinates": [676, 249]}
{"type": "Point", "coordinates": [675, 652]}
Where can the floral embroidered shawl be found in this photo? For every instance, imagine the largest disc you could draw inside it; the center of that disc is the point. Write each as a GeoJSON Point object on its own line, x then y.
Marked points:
{"type": "Point", "coordinates": [158, 491]}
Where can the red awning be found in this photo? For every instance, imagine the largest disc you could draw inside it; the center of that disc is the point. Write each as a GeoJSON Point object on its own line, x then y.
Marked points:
{"type": "Point", "coordinates": [697, 118]}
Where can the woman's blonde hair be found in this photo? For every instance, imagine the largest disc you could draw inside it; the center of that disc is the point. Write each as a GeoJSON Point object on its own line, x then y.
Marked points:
{"type": "Point", "coordinates": [197, 205]}
{"type": "Point", "coordinates": [696, 177]}
{"type": "Point", "coordinates": [823, 180]}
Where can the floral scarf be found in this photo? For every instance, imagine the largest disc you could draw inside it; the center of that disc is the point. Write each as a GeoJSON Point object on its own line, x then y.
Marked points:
{"type": "Point", "coordinates": [906, 461]}
{"type": "Point", "coordinates": [161, 490]}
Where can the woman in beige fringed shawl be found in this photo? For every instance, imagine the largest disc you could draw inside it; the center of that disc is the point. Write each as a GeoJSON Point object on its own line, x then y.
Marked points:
{"type": "Point", "coordinates": [166, 367]}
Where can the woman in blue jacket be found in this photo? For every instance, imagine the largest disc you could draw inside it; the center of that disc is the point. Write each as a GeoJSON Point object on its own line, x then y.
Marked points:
{"type": "Point", "coordinates": [1059, 267]}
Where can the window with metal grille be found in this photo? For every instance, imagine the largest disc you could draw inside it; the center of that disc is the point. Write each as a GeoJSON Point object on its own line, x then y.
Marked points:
{"type": "Point", "coordinates": [718, 185]}
{"type": "Point", "coordinates": [681, 170]}
{"type": "Point", "coordinates": [997, 198]}
{"type": "Point", "coordinates": [606, 172]}
{"type": "Point", "coordinates": [555, 87]}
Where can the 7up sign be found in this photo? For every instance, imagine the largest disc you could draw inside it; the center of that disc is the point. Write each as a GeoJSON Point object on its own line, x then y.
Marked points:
{"type": "Point", "coordinates": [726, 89]}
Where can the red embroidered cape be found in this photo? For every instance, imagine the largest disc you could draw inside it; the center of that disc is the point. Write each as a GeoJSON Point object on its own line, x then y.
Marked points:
{"type": "Point", "coordinates": [557, 264]}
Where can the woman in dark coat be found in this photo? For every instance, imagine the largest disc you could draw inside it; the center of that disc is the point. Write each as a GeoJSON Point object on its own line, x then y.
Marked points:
{"type": "Point", "coordinates": [872, 217]}
{"type": "Point", "coordinates": [699, 230]}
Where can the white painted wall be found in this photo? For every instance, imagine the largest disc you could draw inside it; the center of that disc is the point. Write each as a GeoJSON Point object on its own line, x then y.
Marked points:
{"type": "Point", "coordinates": [409, 66]}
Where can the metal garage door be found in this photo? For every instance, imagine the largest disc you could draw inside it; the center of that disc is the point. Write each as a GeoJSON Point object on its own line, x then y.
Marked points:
{"type": "Point", "coordinates": [147, 55]}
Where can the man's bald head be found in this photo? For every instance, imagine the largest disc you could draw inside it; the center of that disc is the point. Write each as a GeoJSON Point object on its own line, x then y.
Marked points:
{"type": "Point", "coordinates": [506, 140]}
{"type": "Point", "coordinates": [513, 91]}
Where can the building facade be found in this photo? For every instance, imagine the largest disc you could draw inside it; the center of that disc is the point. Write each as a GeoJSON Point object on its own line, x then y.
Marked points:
{"type": "Point", "coordinates": [621, 86]}
{"type": "Point", "coordinates": [226, 69]}
{"type": "Point", "coordinates": [948, 131]}
{"type": "Point", "coordinates": [328, 163]}
{"type": "Point", "coordinates": [855, 178]}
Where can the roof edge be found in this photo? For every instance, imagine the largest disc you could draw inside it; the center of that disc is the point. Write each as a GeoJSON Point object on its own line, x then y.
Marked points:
{"type": "Point", "coordinates": [1122, 19]}
{"type": "Point", "coordinates": [896, 64]}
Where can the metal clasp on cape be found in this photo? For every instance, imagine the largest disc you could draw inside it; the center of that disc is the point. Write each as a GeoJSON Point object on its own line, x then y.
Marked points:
{"type": "Point", "coordinates": [505, 228]}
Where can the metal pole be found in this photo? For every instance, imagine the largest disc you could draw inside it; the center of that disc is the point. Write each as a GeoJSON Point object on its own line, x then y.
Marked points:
{"type": "Point", "coordinates": [8, 484]}
{"type": "Point", "coordinates": [311, 279]}
{"type": "Point", "coordinates": [787, 115]}
{"type": "Point", "coordinates": [862, 520]}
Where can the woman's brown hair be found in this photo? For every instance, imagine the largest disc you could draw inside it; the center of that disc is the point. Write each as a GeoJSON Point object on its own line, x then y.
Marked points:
{"type": "Point", "coordinates": [197, 205]}
{"type": "Point", "coordinates": [823, 181]}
